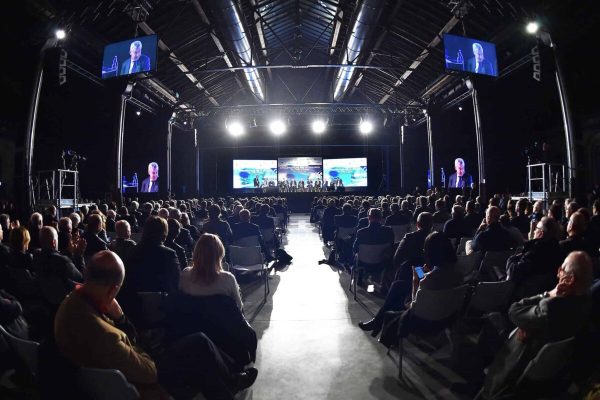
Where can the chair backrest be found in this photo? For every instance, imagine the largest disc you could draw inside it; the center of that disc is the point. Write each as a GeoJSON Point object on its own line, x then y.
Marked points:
{"type": "Point", "coordinates": [245, 256]}
{"type": "Point", "coordinates": [248, 241]}
{"type": "Point", "coordinates": [105, 384]}
{"type": "Point", "coordinates": [320, 213]}
{"type": "Point", "coordinates": [496, 259]}
{"type": "Point", "coordinates": [467, 264]}
{"type": "Point", "coordinates": [373, 253]}
{"type": "Point", "coordinates": [25, 282]}
{"type": "Point", "coordinates": [491, 296]}
{"type": "Point", "coordinates": [267, 235]}
{"type": "Point", "coordinates": [461, 250]}
{"type": "Point", "coordinates": [437, 305]}
{"type": "Point", "coordinates": [400, 231]}
{"type": "Point", "coordinates": [280, 218]}
{"type": "Point", "coordinates": [152, 306]}
{"type": "Point", "coordinates": [26, 350]}
{"type": "Point", "coordinates": [549, 361]}
{"type": "Point", "coordinates": [345, 233]}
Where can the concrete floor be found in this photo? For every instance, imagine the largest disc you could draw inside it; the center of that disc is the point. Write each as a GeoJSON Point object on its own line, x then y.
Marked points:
{"type": "Point", "coordinates": [310, 346]}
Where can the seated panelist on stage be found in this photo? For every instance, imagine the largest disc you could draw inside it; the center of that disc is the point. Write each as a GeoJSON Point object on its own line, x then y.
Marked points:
{"type": "Point", "coordinates": [137, 61]}
{"type": "Point", "coordinates": [150, 184]}
{"type": "Point", "coordinates": [460, 179]}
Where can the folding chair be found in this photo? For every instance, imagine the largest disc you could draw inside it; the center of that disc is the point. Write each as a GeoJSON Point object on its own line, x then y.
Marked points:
{"type": "Point", "coordinates": [400, 231]}
{"type": "Point", "coordinates": [26, 350]}
{"type": "Point", "coordinates": [105, 384]}
{"type": "Point", "coordinates": [493, 264]}
{"type": "Point", "coordinates": [462, 245]}
{"type": "Point", "coordinates": [432, 306]}
{"type": "Point", "coordinates": [249, 259]}
{"type": "Point", "coordinates": [248, 241]}
{"type": "Point", "coordinates": [549, 362]}
{"type": "Point", "coordinates": [467, 265]}
{"type": "Point", "coordinates": [491, 296]}
{"type": "Point", "coordinates": [268, 237]}
{"type": "Point", "coordinates": [369, 254]}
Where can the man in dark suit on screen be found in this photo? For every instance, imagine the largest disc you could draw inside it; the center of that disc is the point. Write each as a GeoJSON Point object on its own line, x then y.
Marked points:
{"type": "Point", "coordinates": [478, 63]}
{"type": "Point", "coordinates": [460, 179]}
{"type": "Point", "coordinates": [150, 184]}
{"type": "Point", "coordinates": [137, 61]}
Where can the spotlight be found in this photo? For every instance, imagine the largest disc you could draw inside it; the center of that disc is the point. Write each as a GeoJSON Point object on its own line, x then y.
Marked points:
{"type": "Point", "coordinates": [138, 113]}
{"type": "Point", "coordinates": [319, 126]}
{"type": "Point", "coordinates": [532, 27]}
{"type": "Point", "coordinates": [60, 34]}
{"type": "Point", "coordinates": [365, 127]}
{"type": "Point", "coordinates": [235, 128]}
{"type": "Point", "coordinates": [277, 127]}
{"type": "Point", "coordinates": [185, 122]}
{"type": "Point", "coordinates": [459, 108]}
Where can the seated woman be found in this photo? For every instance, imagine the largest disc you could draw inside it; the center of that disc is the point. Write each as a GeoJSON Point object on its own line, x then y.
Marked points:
{"type": "Point", "coordinates": [21, 281]}
{"type": "Point", "coordinates": [440, 274]}
{"type": "Point", "coordinates": [206, 276]}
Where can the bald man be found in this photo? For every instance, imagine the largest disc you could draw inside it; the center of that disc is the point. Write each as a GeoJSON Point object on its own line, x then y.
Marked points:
{"type": "Point", "coordinates": [91, 330]}
{"type": "Point", "coordinates": [576, 228]}
{"type": "Point", "coordinates": [549, 317]}
{"type": "Point", "coordinates": [491, 235]}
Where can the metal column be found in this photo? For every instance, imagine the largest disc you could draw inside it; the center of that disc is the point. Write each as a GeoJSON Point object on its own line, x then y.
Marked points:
{"type": "Point", "coordinates": [479, 137]}
{"type": "Point", "coordinates": [568, 125]}
{"type": "Point", "coordinates": [402, 127]}
{"type": "Point", "coordinates": [430, 144]}
{"type": "Point", "coordinates": [169, 141]}
{"type": "Point", "coordinates": [32, 119]}
{"type": "Point", "coordinates": [197, 162]}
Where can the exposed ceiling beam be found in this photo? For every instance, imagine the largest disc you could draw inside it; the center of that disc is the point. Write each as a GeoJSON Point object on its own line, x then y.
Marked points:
{"type": "Point", "coordinates": [163, 46]}
{"type": "Point", "coordinates": [421, 57]}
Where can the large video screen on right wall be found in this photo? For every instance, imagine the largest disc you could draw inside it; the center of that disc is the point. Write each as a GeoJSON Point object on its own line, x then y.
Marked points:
{"type": "Point", "coordinates": [352, 172]}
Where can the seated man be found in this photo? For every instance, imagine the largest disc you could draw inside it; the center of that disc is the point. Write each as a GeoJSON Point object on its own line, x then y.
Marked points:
{"type": "Point", "coordinates": [491, 235]}
{"type": "Point", "coordinates": [94, 242]}
{"type": "Point", "coordinates": [346, 220]}
{"type": "Point", "coordinates": [91, 330]}
{"type": "Point", "coordinates": [217, 226]}
{"type": "Point", "coordinates": [575, 240]}
{"type": "Point", "coordinates": [374, 234]}
{"type": "Point", "coordinates": [440, 216]}
{"type": "Point", "coordinates": [548, 317]}
{"type": "Point", "coordinates": [397, 217]}
{"type": "Point", "coordinates": [265, 222]}
{"type": "Point", "coordinates": [456, 227]}
{"type": "Point", "coordinates": [410, 249]}
{"type": "Point", "coordinates": [123, 244]}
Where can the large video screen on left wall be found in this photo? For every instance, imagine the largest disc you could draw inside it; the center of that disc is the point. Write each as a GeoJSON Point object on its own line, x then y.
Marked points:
{"type": "Point", "coordinates": [254, 173]}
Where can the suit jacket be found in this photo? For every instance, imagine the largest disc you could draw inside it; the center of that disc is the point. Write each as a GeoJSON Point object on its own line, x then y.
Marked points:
{"type": "Point", "coordinates": [264, 222]}
{"type": "Point", "coordinates": [56, 273]}
{"type": "Point", "coordinates": [545, 319]}
{"type": "Point", "coordinates": [578, 243]}
{"type": "Point", "coordinates": [373, 234]}
{"type": "Point", "coordinates": [485, 66]}
{"type": "Point", "coordinates": [220, 228]}
{"type": "Point", "coordinates": [410, 252]}
{"type": "Point", "coordinates": [122, 247]}
{"type": "Point", "coordinates": [397, 219]}
{"type": "Point", "coordinates": [142, 64]}
{"type": "Point", "coordinates": [466, 182]}
{"type": "Point", "coordinates": [151, 268]}
{"type": "Point", "coordinates": [245, 229]}
{"type": "Point", "coordinates": [185, 240]}
{"type": "Point", "coordinates": [146, 183]}
{"type": "Point", "coordinates": [346, 221]}
{"type": "Point", "coordinates": [94, 244]}
{"type": "Point", "coordinates": [495, 238]}
{"type": "Point", "coordinates": [90, 339]}
{"type": "Point", "coordinates": [456, 228]}
{"type": "Point", "coordinates": [181, 257]}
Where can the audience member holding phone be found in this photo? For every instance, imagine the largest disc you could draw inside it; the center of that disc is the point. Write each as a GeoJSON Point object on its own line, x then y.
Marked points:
{"type": "Point", "coordinates": [437, 273]}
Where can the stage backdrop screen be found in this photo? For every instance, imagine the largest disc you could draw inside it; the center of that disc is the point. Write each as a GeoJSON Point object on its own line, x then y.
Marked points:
{"type": "Point", "coordinates": [300, 169]}
{"type": "Point", "coordinates": [351, 171]}
{"type": "Point", "coordinates": [244, 172]}
{"type": "Point", "coordinates": [465, 54]}
{"type": "Point", "coordinates": [130, 57]}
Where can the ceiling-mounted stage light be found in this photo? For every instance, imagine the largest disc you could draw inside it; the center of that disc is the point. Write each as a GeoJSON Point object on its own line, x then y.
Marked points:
{"type": "Point", "coordinates": [235, 128]}
{"type": "Point", "coordinates": [459, 108]}
{"type": "Point", "coordinates": [60, 34]}
{"type": "Point", "coordinates": [277, 127]}
{"type": "Point", "coordinates": [532, 27]}
{"type": "Point", "coordinates": [138, 113]}
{"type": "Point", "coordinates": [365, 127]}
{"type": "Point", "coordinates": [319, 126]}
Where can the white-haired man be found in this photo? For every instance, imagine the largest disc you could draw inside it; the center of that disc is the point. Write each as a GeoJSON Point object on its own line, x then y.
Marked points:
{"type": "Point", "coordinates": [460, 179]}
{"type": "Point", "coordinates": [150, 184]}
{"type": "Point", "coordinates": [478, 63]}
{"type": "Point", "coordinates": [137, 62]}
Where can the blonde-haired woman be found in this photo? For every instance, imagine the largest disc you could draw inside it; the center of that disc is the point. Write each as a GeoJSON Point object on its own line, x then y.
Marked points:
{"type": "Point", "coordinates": [206, 276]}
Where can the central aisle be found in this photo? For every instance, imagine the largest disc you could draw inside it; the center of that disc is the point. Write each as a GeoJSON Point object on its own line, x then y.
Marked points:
{"type": "Point", "coordinates": [309, 345]}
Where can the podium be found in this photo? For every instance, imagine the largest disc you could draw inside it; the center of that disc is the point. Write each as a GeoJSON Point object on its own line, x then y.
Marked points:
{"type": "Point", "coordinates": [546, 182]}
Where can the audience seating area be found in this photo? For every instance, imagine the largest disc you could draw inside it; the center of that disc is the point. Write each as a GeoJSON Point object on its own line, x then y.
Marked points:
{"type": "Point", "coordinates": [373, 242]}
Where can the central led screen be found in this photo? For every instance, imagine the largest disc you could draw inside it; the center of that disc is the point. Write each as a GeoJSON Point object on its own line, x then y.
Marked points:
{"type": "Point", "coordinates": [351, 172]}
{"type": "Point", "coordinates": [300, 169]}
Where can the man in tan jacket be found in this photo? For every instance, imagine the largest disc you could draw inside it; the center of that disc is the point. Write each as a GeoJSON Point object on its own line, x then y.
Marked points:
{"type": "Point", "coordinates": [92, 331]}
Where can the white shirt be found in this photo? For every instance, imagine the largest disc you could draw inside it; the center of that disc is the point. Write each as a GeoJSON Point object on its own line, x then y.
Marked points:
{"type": "Point", "coordinates": [476, 66]}
{"type": "Point", "coordinates": [225, 284]}
{"type": "Point", "coordinates": [131, 66]}
{"type": "Point", "coordinates": [150, 186]}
